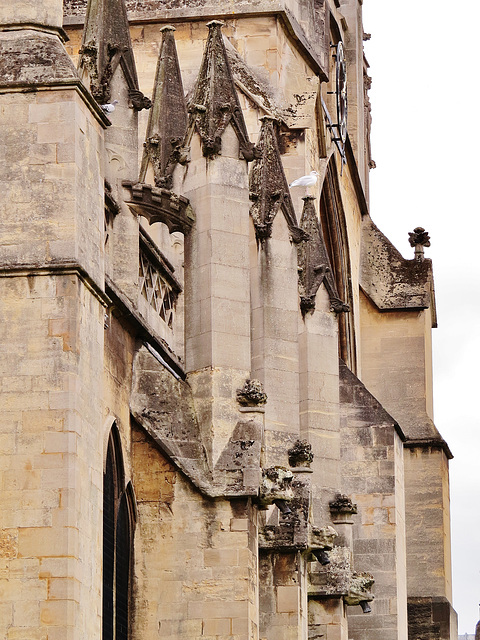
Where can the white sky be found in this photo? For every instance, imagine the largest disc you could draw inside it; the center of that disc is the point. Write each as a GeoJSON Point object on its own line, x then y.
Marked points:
{"type": "Point", "coordinates": [424, 59]}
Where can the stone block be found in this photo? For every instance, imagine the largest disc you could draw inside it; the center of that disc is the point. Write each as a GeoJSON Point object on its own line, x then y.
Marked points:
{"type": "Point", "coordinates": [217, 627]}
{"type": "Point", "coordinates": [239, 524]}
{"type": "Point", "coordinates": [220, 557]}
{"type": "Point", "coordinates": [42, 542]}
{"type": "Point", "coordinates": [288, 599]}
{"type": "Point", "coordinates": [26, 614]}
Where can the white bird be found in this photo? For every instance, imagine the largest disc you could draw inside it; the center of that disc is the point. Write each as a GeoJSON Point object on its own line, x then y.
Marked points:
{"type": "Point", "coordinates": [305, 181]}
{"type": "Point", "coordinates": [110, 107]}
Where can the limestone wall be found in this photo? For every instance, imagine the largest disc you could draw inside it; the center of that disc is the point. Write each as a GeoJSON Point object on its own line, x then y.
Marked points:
{"type": "Point", "coordinates": [396, 364]}
{"type": "Point", "coordinates": [373, 475]}
{"type": "Point", "coordinates": [51, 457]}
{"type": "Point", "coordinates": [428, 523]}
{"type": "Point", "coordinates": [43, 12]}
{"type": "Point", "coordinates": [196, 559]}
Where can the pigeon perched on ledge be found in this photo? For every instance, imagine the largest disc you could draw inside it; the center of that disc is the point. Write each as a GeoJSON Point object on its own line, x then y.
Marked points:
{"type": "Point", "coordinates": [110, 107]}
{"type": "Point", "coordinates": [305, 181]}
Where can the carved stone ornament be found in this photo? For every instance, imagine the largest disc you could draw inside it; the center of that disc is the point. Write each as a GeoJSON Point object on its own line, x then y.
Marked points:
{"type": "Point", "coordinates": [167, 121]}
{"type": "Point", "coordinates": [322, 538]}
{"type": "Point", "coordinates": [276, 485]}
{"type": "Point", "coordinates": [300, 455]}
{"type": "Point", "coordinates": [359, 589]}
{"type": "Point", "coordinates": [160, 205]}
{"type": "Point", "coordinates": [342, 504]}
{"type": "Point", "coordinates": [137, 101]}
{"type": "Point", "coordinates": [251, 394]}
{"type": "Point", "coordinates": [314, 264]}
{"type": "Point", "coordinates": [214, 104]}
{"type": "Point", "coordinates": [332, 578]}
{"type": "Point", "coordinates": [367, 83]}
{"type": "Point", "coordinates": [106, 44]}
{"type": "Point", "coordinates": [269, 190]}
{"type": "Point", "coordinates": [287, 528]}
{"type": "Point", "coordinates": [419, 239]}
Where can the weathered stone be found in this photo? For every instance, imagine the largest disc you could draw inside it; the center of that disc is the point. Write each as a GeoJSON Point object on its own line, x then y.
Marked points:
{"type": "Point", "coordinates": [165, 136]}
{"type": "Point", "coordinates": [145, 485]}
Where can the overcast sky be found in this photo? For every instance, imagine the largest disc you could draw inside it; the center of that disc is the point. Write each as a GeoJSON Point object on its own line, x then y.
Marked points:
{"type": "Point", "coordinates": [424, 59]}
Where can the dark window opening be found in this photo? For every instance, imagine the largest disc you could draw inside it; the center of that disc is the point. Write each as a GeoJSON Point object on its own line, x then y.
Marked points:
{"type": "Point", "coordinates": [118, 522]}
{"type": "Point", "coordinates": [332, 218]}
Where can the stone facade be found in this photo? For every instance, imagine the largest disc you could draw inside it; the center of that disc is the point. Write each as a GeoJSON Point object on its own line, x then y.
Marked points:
{"type": "Point", "coordinates": [216, 389]}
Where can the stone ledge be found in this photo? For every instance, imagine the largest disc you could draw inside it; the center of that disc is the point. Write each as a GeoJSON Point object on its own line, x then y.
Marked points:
{"type": "Point", "coordinates": [58, 269]}
{"type": "Point", "coordinates": [429, 443]}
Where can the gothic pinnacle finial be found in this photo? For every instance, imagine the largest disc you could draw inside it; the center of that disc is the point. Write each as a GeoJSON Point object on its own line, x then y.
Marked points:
{"type": "Point", "coordinates": [215, 104]}
{"type": "Point", "coordinates": [167, 122]}
{"type": "Point", "coordinates": [419, 238]}
{"type": "Point", "coordinates": [106, 46]}
{"type": "Point", "coordinates": [216, 23]}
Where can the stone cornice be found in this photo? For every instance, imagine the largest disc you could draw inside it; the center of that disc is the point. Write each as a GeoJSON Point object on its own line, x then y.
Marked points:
{"type": "Point", "coordinates": [429, 443]}
{"type": "Point", "coordinates": [20, 26]}
{"type": "Point", "coordinates": [77, 85]}
{"type": "Point", "coordinates": [34, 60]}
{"type": "Point", "coordinates": [64, 268]}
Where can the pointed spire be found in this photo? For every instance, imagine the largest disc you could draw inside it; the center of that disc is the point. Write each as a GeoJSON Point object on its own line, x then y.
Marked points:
{"type": "Point", "coordinates": [314, 264]}
{"type": "Point", "coordinates": [106, 44]}
{"type": "Point", "coordinates": [167, 122]}
{"type": "Point", "coordinates": [268, 186]}
{"type": "Point", "coordinates": [215, 103]}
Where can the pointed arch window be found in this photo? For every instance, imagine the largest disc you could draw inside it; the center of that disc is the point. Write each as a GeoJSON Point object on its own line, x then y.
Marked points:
{"type": "Point", "coordinates": [118, 527]}
{"type": "Point", "coordinates": [332, 218]}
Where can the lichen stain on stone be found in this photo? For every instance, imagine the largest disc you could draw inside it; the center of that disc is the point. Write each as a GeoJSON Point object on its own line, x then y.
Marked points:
{"type": "Point", "coordinates": [33, 58]}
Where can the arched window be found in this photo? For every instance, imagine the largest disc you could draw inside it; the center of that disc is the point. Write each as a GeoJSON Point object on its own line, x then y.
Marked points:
{"type": "Point", "coordinates": [118, 524]}
{"type": "Point", "coordinates": [332, 218]}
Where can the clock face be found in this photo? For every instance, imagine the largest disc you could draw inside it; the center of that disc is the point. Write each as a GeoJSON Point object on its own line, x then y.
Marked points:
{"type": "Point", "coordinates": [341, 91]}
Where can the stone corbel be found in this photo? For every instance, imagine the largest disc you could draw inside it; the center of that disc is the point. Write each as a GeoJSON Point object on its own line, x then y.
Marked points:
{"type": "Point", "coordinates": [337, 578]}
{"type": "Point", "coordinates": [319, 542]}
{"type": "Point", "coordinates": [286, 528]}
{"type": "Point", "coordinates": [160, 205]}
{"type": "Point", "coordinates": [321, 538]}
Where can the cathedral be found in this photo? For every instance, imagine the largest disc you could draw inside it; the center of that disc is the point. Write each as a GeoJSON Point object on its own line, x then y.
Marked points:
{"type": "Point", "coordinates": [216, 373]}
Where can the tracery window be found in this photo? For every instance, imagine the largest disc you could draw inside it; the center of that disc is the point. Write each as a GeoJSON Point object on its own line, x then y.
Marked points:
{"type": "Point", "coordinates": [156, 281]}
{"type": "Point", "coordinates": [118, 526]}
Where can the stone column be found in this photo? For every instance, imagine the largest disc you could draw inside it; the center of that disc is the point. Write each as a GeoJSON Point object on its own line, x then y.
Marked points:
{"type": "Point", "coordinates": [107, 66]}
{"type": "Point", "coordinates": [319, 373]}
{"type": "Point", "coordinates": [275, 309]}
{"type": "Point", "coordinates": [217, 287]}
{"type": "Point", "coordinates": [217, 291]}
